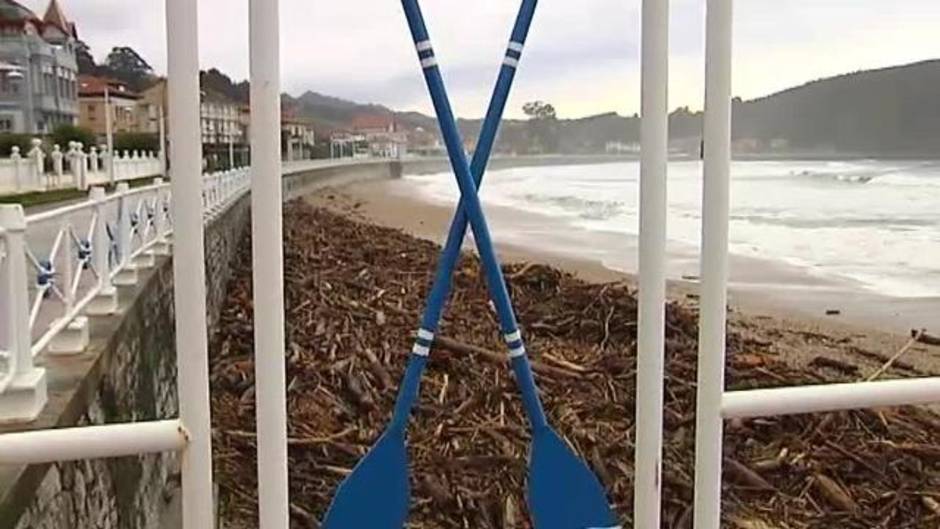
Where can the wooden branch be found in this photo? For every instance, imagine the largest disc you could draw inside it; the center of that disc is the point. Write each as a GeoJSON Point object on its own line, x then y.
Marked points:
{"type": "Point", "coordinates": [497, 358]}
{"type": "Point", "coordinates": [887, 365]}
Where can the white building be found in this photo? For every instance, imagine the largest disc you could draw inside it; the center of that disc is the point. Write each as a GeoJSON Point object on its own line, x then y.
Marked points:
{"type": "Point", "coordinates": [38, 69]}
{"type": "Point", "coordinates": [221, 120]}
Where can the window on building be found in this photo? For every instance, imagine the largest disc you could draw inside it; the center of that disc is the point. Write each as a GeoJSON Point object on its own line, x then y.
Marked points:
{"type": "Point", "coordinates": [6, 124]}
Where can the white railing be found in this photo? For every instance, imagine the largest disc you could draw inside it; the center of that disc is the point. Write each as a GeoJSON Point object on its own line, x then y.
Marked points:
{"type": "Point", "coordinates": [714, 403]}
{"type": "Point", "coordinates": [190, 434]}
{"type": "Point", "coordinates": [76, 167]}
{"type": "Point", "coordinates": [63, 265]}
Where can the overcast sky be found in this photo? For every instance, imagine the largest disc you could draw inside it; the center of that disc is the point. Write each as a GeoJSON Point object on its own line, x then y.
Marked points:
{"type": "Point", "coordinates": [582, 56]}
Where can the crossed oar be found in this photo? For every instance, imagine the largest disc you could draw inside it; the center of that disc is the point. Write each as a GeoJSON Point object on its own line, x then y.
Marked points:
{"type": "Point", "coordinates": [563, 492]}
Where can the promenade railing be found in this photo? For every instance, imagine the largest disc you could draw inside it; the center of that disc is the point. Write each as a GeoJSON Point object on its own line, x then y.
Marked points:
{"type": "Point", "coordinates": [65, 264]}
{"type": "Point", "coordinates": [73, 166]}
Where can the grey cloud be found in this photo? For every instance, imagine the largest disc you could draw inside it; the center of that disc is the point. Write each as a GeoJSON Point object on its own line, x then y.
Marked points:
{"type": "Point", "coordinates": [361, 49]}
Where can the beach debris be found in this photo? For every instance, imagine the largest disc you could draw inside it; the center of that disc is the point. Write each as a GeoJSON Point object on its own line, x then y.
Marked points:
{"type": "Point", "coordinates": [887, 365]}
{"type": "Point", "coordinates": [468, 437]}
{"type": "Point", "coordinates": [835, 493]}
{"type": "Point", "coordinates": [925, 338]}
{"type": "Point", "coordinates": [835, 363]}
{"type": "Point", "coordinates": [833, 312]}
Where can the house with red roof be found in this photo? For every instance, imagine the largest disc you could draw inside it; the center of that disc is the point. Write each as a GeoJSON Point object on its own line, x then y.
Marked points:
{"type": "Point", "coordinates": [383, 135]}
{"type": "Point", "coordinates": [99, 96]}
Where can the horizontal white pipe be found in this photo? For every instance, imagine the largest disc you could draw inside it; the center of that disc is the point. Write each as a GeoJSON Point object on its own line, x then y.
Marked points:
{"type": "Point", "coordinates": [59, 212]}
{"type": "Point", "coordinates": [829, 397]}
{"type": "Point", "coordinates": [146, 189]}
{"type": "Point", "coordinates": [61, 323]}
{"type": "Point", "coordinates": [92, 442]}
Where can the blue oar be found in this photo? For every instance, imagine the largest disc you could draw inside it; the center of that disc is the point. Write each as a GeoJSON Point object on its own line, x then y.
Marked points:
{"type": "Point", "coordinates": [385, 467]}
{"type": "Point", "coordinates": [564, 494]}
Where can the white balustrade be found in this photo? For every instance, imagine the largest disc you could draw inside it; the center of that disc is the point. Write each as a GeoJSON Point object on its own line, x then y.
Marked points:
{"type": "Point", "coordinates": [39, 170]}
{"type": "Point", "coordinates": [37, 160]}
{"type": "Point", "coordinates": [60, 266]}
{"type": "Point", "coordinates": [55, 179]}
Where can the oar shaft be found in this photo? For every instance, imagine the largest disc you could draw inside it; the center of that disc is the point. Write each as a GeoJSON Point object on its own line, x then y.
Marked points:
{"type": "Point", "coordinates": [481, 156]}
{"type": "Point", "coordinates": [440, 289]}
{"type": "Point", "coordinates": [474, 209]}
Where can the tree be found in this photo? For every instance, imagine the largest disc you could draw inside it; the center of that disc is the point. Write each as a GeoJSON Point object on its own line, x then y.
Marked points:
{"type": "Point", "coordinates": [542, 126]}
{"type": "Point", "coordinates": [127, 65]}
{"type": "Point", "coordinates": [216, 81]}
{"type": "Point", "coordinates": [86, 62]}
{"type": "Point", "coordinates": [539, 110]}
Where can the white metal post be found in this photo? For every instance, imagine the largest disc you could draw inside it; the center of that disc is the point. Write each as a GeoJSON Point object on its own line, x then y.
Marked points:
{"type": "Point", "coordinates": [159, 220]}
{"type": "Point", "coordinates": [124, 223]}
{"type": "Point", "coordinates": [189, 274]}
{"type": "Point", "coordinates": [24, 397]}
{"type": "Point", "coordinates": [713, 311]}
{"type": "Point", "coordinates": [652, 294]}
{"type": "Point", "coordinates": [109, 132]}
{"type": "Point", "coordinates": [106, 300]}
{"type": "Point", "coordinates": [73, 338]}
{"type": "Point", "coordinates": [127, 273]}
{"type": "Point", "coordinates": [67, 267]}
{"type": "Point", "coordinates": [7, 314]}
{"type": "Point", "coordinates": [268, 260]}
{"type": "Point", "coordinates": [162, 128]}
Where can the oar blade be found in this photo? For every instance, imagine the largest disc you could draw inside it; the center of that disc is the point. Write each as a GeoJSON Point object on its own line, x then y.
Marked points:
{"type": "Point", "coordinates": [563, 492]}
{"type": "Point", "coordinates": [377, 493]}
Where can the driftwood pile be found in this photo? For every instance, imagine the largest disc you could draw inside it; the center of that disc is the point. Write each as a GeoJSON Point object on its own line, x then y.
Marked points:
{"type": "Point", "coordinates": [354, 295]}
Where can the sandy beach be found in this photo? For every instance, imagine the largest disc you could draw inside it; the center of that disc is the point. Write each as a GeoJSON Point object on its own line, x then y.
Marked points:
{"type": "Point", "coordinates": [763, 293]}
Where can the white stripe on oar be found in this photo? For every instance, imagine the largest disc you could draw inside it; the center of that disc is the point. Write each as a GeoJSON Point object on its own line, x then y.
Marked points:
{"type": "Point", "coordinates": [420, 350]}
{"type": "Point", "coordinates": [516, 353]}
{"type": "Point", "coordinates": [509, 61]}
{"type": "Point", "coordinates": [429, 62]}
{"type": "Point", "coordinates": [512, 337]}
{"type": "Point", "coordinates": [425, 334]}
{"type": "Point", "coordinates": [424, 45]}
{"type": "Point", "coordinates": [518, 46]}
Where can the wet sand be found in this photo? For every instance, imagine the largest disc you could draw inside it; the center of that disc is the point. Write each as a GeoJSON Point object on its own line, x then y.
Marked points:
{"type": "Point", "coordinates": [763, 293]}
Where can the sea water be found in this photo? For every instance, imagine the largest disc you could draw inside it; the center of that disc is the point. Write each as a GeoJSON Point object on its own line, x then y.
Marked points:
{"type": "Point", "coordinates": [875, 223]}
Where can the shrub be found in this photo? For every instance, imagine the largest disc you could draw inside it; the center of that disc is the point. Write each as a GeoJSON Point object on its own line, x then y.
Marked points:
{"type": "Point", "coordinates": [9, 140]}
{"type": "Point", "coordinates": [63, 134]}
{"type": "Point", "coordinates": [136, 141]}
